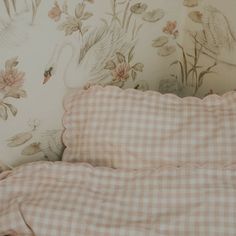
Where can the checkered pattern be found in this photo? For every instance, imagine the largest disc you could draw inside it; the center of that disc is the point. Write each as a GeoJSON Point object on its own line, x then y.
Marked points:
{"type": "Point", "coordinates": [133, 129]}
{"type": "Point", "coordinates": [65, 199]}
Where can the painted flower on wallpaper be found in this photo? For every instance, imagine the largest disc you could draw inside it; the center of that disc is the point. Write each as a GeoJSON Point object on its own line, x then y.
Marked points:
{"type": "Point", "coordinates": [171, 28]}
{"type": "Point", "coordinates": [11, 79]}
{"type": "Point", "coordinates": [55, 12]}
{"type": "Point", "coordinates": [165, 47]}
{"type": "Point", "coordinates": [119, 37]}
{"type": "Point", "coordinates": [118, 32]}
{"type": "Point", "coordinates": [11, 82]}
{"type": "Point", "coordinates": [74, 22]}
{"type": "Point", "coordinates": [122, 70]}
{"type": "Point", "coordinates": [216, 35]}
{"type": "Point", "coordinates": [140, 9]}
{"type": "Point", "coordinates": [71, 25]}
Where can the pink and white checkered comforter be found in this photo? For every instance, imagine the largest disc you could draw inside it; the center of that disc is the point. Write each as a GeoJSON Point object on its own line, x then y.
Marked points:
{"type": "Point", "coordinates": [62, 199]}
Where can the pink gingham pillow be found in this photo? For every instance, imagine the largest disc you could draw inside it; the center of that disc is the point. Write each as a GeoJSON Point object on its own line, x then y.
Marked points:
{"type": "Point", "coordinates": [107, 126]}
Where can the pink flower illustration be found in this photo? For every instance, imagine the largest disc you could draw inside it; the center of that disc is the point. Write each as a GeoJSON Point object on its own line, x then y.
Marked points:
{"type": "Point", "coordinates": [55, 12]}
{"type": "Point", "coordinates": [121, 72]}
{"type": "Point", "coordinates": [121, 69]}
{"type": "Point", "coordinates": [170, 28]}
{"type": "Point", "coordinates": [11, 79]}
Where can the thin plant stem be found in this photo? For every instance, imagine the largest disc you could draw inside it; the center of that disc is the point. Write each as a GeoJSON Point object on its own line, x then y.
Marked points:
{"type": "Point", "coordinates": [7, 6]}
{"type": "Point", "coordinates": [14, 4]}
{"type": "Point", "coordinates": [138, 29]}
{"type": "Point", "coordinates": [134, 29]}
{"type": "Point", "coordinates": [128, 21]}
{"type": "Point", "coordinates": [125, 14]}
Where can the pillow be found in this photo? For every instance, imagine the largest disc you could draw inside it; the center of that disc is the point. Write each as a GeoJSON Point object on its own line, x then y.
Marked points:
{"type": "Point", "coordinates": [107, 126]}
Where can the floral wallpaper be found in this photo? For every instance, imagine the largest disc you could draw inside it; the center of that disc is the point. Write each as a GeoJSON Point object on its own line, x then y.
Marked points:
{"type": "Point", "coordinates": [48, 48]}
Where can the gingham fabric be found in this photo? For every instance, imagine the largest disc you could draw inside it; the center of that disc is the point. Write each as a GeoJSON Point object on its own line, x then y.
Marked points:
{"type": "Point", "coordinates": [65, 199]}
{"type": "Point", "coordinates": [133, 129]}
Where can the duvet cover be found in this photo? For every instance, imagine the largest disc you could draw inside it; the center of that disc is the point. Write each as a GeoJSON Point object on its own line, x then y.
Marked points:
{"type": "Point", "coordinates": [63, 199]}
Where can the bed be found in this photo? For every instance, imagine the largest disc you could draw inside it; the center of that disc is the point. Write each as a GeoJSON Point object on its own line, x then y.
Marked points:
{"type": "Point", "coordinates": [185, 189]}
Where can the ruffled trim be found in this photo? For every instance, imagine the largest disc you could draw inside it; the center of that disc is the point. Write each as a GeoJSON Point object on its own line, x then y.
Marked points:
{"type": "Point", "coordinates": [68, 104]}
{"type": "Point", "coordinates": [211, 99]}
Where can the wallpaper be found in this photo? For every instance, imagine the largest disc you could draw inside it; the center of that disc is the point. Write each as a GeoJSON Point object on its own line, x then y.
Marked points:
{"type": "Point", "coordinates": [48, 48]}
